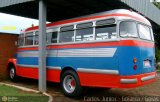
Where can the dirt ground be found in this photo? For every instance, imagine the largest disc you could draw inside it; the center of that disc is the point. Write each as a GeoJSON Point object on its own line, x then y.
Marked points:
{"type": "Point", "coordinates": [147, 93]}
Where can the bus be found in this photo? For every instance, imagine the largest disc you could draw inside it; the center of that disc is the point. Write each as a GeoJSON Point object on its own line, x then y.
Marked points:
{"type": "Point", "coordinates": [112, 49]}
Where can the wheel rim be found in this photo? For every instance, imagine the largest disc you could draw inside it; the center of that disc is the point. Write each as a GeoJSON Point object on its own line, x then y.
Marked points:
{"type": "Point", "coordinates": [12, 72]}
{"type": "Point", "coordinates": [69, 83]}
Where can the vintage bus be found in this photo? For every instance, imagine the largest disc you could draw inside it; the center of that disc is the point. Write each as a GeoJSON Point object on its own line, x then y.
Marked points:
{"type": "Point", "coordinates": [112, 49]}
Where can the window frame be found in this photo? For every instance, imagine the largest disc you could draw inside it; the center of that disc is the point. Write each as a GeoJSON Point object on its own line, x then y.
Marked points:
{"type": "Point", "coordinates": [26, 35]}
{"type": "Point", "coordinates": [120, 21]}
{"type": "Point", "coordinates": [58, 30]}
{"type": "Point", "coordinates": [83, 40]}
{"type": "Point", "coordinates": [151, 36]}
{"type": "Point", "coordinates": [59, 33]}
{"type": "Point", "coordinates": [21, 36]}
{"type": "Point", "coordinates": [116, 26]}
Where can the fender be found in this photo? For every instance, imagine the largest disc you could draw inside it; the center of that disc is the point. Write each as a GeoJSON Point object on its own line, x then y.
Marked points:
{"type": "Point", "coordinates": [13, 61]}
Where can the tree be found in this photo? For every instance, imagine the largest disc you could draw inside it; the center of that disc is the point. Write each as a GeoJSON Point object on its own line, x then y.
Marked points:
{"type": "Point", "coordinates": [157, 4]}
{"type": "Point", "coordinates": [157, 37]}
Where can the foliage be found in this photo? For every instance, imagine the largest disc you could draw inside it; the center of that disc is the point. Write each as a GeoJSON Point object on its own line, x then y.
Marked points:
{"type": "Point", "coordinates": [157, 4]}
{"type": "Point", "coordinates": [157, 39]}
{"type": "Point", "coordinates": [158, 67]}
{"type": "Point", "coordinates": [157, 54]}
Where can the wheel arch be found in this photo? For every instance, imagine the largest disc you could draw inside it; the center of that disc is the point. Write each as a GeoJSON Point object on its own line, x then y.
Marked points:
{"type": "Point", "coordinates": [66, 69]}
{"type": "Point", "coordinates": [11, 62]}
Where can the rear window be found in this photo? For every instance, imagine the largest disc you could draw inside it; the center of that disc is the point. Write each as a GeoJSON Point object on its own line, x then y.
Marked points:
{"type": "Point", "coordinates": [144, 32]}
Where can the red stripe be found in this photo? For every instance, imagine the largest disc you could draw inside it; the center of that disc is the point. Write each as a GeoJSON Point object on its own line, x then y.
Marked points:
{"type": "Point", "coordinates": [52, 75]}
{"type": "Point", "coordinates": [97, 44]}
{"type": "Point", "coordinates": [88, 79]}
{"type": "Point", "coordinates": [106, 80]}
{"type": "Point", "coordinates": [87, 18]}
{"type": "Point", "coordinates": [27, 48]}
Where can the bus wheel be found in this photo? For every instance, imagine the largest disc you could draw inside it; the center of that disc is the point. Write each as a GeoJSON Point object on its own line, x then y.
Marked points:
{"type": "Point", "coordinates": [12, 74]}
{"type": "Point", "coordinates": [70, 84]}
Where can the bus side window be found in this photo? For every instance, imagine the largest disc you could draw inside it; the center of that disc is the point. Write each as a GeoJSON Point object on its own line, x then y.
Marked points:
{"type": "Point", "coordinates": [106, 32]}
{"type": "Point", "coordinates": [54, 37]}
{"type": "Point", "coordinates": [48, 38]}
{"type": "Point", "coordinates": [21, 40]}
{"type": "Point", "coordinates": [84, 32]}
{"type": "Point", "coordinates": [29, 39]}
{"type": "Point", "coordinates": [36, 40]}
{"type": "Point", "coordinates": [66, 34]}
{"type": "Point", "coordinates": [144, 32]}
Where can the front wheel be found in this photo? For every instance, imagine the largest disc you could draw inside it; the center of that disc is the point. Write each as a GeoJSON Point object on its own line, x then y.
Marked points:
{"type": "Point", "coordinates": [12, 74]}
{"type": "Point", "coordinates": [70, 84]}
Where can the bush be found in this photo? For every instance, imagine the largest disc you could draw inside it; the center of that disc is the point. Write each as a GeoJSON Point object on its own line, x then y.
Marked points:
{"type": "Point", "coordinates": [158, 67]}
{"type": "Point", "coordinates": [157, 54]}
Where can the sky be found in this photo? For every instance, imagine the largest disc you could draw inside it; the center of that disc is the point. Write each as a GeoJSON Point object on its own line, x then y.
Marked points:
{"type": "Point", "coordinates": [14, 24]}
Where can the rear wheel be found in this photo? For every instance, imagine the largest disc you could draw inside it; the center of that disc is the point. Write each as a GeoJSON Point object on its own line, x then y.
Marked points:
{"type": "Point", "coordinates": [12, 74]}
{"type": "Point", "coordinates": [70, 84]}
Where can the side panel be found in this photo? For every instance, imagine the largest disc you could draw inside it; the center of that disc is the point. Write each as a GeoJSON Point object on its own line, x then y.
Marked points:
{"type": "Point", "coordinates": [141, 51]}
{"type": "Point", "coordinates": [100, 64]}
{"type": "Point", "coordinates": [27, 64]}
{"type": "Point", "coordinates": [126, 56]}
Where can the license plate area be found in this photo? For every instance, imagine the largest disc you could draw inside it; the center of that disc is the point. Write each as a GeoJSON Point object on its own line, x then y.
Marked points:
{"type": "Point", "coordinates": [147, 63]}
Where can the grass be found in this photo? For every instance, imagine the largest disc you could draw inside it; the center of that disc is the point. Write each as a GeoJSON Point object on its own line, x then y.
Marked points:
{"type": "Point", "coordinates": [14, 94]}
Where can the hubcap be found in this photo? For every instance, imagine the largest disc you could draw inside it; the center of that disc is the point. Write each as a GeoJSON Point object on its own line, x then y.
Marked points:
{"type": "Point", "coordinates": [12, 73]}
{"type": "Point", "coordinates": [69, 83]}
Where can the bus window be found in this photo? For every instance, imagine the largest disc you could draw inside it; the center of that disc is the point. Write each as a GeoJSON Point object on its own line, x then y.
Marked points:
{"type": "Point", "coordinates": [48, 38]}
{"type": "Point", "coordinates": [36, 38]}
{"type": "Point", "coordinates": [29, 40]}
{"type": "Point", "coordinates": [85, 34]}
{"type": "Point", "coordinates": [106, 32]}
{"type": "Point", "coordinates": [128, 29]}
{"type": "Point", "coordinates": [66, 34]}
{"type": "Point", "coordinates": [105, 22]}
{"type": "Point", "coordinates": [144, 32]}
{"type": "Point", "coordinates": [54, 37]}
{"type": "Point", "coordinates": [21, 40]}
{"type": "Point", "coordinates": [152, 34]}
{"type": "Point", "coordinates": [84, 25]}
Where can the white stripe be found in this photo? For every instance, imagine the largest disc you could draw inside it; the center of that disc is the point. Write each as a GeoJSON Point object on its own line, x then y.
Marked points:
{"type": "Point", "coordinates": [94, 52]}
{"type": "Point", "coordinates": [28, 54]}
{"type": "Point", "coordinates": [53, 67]}
{"type": "Point", "coordinates": [100, 71]}
{"type": "Point", "coordinates": [148, 77]}
{"type": "Point", "coordinates": [36, 66]}
{"type": "Point", "coordinates": [128, 81]}
{"type": "Point", "coordinates": [25, 65]}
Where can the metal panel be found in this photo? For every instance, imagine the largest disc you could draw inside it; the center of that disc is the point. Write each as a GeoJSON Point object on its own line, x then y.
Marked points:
{"type": "Point", "coordinates": [4, 3]}
{"type": "Point", "coordinates": [42, 45]}
{"type": "Point", "coordinates": [146, 8]}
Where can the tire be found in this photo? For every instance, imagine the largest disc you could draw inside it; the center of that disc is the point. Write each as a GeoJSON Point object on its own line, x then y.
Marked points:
{"type": "Point", "coordinates": [12, 74]}
{"type": "Point", "coordinates": [70, 84]}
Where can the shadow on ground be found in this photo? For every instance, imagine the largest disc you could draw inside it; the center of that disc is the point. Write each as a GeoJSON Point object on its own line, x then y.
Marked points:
{"type": "Point", "coordinates": [94, 94]}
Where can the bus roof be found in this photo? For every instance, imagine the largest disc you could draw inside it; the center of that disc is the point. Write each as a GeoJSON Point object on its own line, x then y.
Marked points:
{"type": "Point", "coordinates": [119, 14]}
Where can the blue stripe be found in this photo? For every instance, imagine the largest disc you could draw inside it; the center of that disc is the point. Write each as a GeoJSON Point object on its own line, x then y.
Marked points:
{"type": "Point", "coordinates": [122, 60]}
